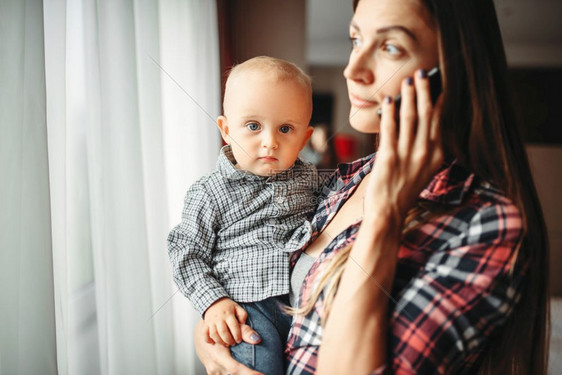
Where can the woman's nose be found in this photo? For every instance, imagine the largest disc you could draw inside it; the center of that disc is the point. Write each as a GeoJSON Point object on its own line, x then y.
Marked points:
{"type": "Point", "coordinates": [360, 68]}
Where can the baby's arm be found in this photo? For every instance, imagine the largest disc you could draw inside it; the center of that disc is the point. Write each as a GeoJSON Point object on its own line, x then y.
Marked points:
{"type": "Point", "coordinates": [222, 322]}
{"type": "Point", "coordinates": [190, 247]}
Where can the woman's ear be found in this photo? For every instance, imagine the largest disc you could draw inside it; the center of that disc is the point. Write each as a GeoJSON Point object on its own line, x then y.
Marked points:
{"type": "Point", "coordinates": [222, 123]}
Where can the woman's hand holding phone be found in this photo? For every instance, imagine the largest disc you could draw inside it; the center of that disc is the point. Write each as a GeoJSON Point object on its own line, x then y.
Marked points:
{"type": "Point", "coordinates": [435, 88]}
{"type": "Point", "coordinates": [409, 155]}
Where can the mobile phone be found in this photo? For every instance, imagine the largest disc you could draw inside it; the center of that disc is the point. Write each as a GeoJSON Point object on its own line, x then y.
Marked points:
{"type": "Point", "coordinates": [434, 76]}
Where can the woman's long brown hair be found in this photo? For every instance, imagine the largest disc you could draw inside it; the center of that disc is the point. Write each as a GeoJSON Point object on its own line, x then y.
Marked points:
{"type": "Point", "coordinates": [480, 128]}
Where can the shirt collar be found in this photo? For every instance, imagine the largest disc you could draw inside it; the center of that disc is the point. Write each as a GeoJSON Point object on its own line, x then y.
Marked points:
{"type": "Point", "coordinates": [450, 184]}
{"type": "Point", "coordinates": [352, 173]}
{"type": "Point", "coordinates": [226, 167]}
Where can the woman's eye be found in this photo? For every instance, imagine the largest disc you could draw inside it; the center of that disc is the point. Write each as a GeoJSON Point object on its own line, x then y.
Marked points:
{"type": "Point", "coordinates": [253, 126]}
{"type": "Point", "coordinates": [392, 49]}
{"type": "Point", "coordinates": [285, 129]}
{"type": "Point", "coordinates": [355, 42]}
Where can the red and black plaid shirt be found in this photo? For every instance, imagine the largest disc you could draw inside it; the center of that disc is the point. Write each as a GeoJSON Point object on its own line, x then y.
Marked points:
{"type": "Point", "coordinates": [456, 280]}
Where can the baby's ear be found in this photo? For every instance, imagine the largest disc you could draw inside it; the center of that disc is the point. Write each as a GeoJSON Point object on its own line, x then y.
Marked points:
{"type": "Point", "coordinates": [222, 123]}
{"type": "Point", "coordinates": [309, 132]}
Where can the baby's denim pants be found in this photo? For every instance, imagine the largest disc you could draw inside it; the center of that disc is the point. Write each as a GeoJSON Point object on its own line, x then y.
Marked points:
{"type": "Point", "coordinates": [272, 324]}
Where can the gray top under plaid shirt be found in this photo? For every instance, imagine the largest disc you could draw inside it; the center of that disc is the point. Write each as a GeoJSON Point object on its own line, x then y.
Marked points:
{"type": "Point", "coordinates": [237, 231]}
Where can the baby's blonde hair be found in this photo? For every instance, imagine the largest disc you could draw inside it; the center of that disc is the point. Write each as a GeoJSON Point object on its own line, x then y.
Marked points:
{"type": "Point", "coordinates": [278, 69]}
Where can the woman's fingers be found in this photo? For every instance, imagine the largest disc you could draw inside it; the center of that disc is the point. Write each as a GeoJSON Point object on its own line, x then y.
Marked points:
{"type": "Point", "coordinates": [206, 334]}
{"type": "Point", "coordinates": [388, 135]}
{"type": "Point", "coordinates": [409, 156]}
{"type": "Point", "coordinates": [217, 359]}
{"type": "Point", "coordinates": [424, 107]}
{"type": "Point", "coordinates": [249, 335]}
{"type": "Point", "coordinates": [408, 118]}
{"type": "Point", "coordinates": [420, 146]}
{"type": "Point", "coordinates": [236, 368]}
{"type": "Point", "coordinates": [202, 332]}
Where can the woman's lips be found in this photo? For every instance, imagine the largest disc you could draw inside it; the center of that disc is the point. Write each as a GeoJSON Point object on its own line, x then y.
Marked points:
{"type": "Point", "coordinates": [361, 103]}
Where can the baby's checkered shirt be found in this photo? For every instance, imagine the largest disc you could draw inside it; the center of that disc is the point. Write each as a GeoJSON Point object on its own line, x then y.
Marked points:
{"type": "Point", "coordinates": [238, 230]}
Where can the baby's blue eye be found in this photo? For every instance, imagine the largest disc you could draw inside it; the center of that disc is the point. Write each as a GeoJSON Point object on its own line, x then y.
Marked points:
{"type": "Point", "coordinates": [253, 126]}
{"type": "Point", "coordinates": [285, 129]}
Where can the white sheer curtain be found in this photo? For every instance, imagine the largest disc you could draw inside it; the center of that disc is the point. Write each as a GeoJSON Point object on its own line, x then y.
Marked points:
{"type": "Point", "coordinates": [27, 316]}
{"type": "Point", "coordinates": [132, 89]}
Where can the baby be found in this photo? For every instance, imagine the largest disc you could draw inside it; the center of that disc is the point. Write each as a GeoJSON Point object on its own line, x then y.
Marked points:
{"type": "Point", "coordinates": [230, 253]}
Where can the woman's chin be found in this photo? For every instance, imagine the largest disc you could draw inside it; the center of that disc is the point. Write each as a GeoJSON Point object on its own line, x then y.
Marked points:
{"type": "Point", "coordinates": [364, 123]}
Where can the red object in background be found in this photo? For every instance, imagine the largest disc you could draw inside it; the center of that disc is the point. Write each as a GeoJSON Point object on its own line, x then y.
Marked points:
{"type": "Point", "coordinates": [346, 147]}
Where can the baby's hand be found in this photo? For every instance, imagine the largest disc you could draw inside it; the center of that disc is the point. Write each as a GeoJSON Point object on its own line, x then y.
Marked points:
{"type": "Point", "coordinates": [222, 322]}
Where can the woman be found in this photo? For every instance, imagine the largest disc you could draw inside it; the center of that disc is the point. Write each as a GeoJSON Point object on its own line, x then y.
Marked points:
{"type": "Point", "coordinates": [444, 269]}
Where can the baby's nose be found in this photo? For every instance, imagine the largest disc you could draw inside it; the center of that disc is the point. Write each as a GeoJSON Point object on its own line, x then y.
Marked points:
{"type": "Point", "coordinates": [269, 140]}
